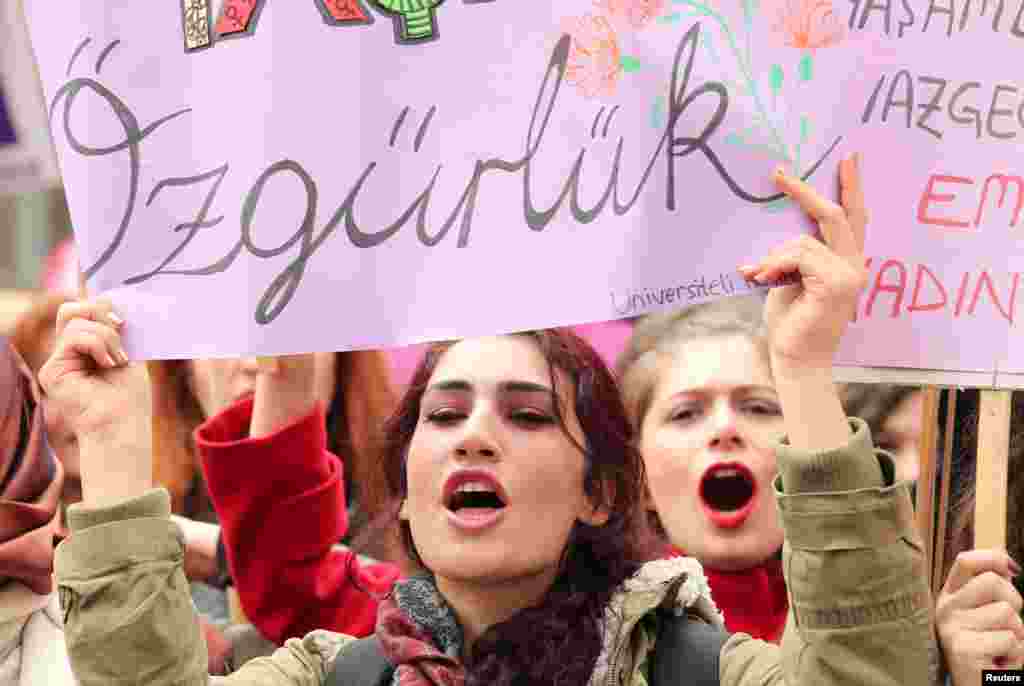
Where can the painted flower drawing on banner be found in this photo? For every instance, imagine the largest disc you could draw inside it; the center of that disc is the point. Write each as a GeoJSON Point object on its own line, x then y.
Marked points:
{"type": "Point", "coordinates": [595, 60]}
{"type": "Point", "coordinates": [637, 13]}
{"type": "Point", "coordinates": [764, 83]}
{"type": "Point", "coordinates": [807, 24]}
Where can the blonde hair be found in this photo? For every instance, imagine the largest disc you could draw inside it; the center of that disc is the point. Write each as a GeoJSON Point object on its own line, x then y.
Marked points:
{"type": "Point", "coordinates": [659, 337]}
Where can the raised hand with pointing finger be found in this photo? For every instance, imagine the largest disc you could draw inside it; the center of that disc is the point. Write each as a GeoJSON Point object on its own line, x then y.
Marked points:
{"type": "Point", "coordinates": [806, 320]}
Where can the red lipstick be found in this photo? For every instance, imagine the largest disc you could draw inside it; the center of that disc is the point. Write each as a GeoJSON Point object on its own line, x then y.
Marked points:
{"type": "Point", "coordinates": [474, 499]}
{"type": "Point", "coordinates": [727, 493]}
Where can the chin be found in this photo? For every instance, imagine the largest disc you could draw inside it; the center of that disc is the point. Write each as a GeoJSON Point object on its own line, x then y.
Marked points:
{"type": "Point", "coordinates": [733, 550]}
{"type": "Point", "coordinates": [485, 570]}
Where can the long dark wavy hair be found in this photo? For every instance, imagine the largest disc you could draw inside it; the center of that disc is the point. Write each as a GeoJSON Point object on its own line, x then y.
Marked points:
{"type": "Point", "coordinates": [559, 640]}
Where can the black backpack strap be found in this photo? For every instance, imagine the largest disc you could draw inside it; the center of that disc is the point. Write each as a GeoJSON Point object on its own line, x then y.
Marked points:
{"type": "Point", "coordinates": [687, 652]}
{"type": "Point", "coordinates": [361, 663]}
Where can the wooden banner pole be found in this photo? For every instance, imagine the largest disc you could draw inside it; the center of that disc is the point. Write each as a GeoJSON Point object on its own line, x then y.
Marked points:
{"type": "Point", "coordinates": [992, 469]}
{"type": "Point", "coordinates": [926, 482]}
{"type": "Point", "coordinates": [945, 478]}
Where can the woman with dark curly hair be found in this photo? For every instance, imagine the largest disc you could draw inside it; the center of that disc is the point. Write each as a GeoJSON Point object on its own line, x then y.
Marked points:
{"type": "Point", "coordinates": [519, 494]}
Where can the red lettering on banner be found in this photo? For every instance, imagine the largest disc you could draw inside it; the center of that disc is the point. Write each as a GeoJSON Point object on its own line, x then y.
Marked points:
{"type": "Point", "coordinates": [1004, 185]}
{"type": "Point", "coordinates": [980, 292]}
{"type": "Point", "coordinates": [879, 287]}
{"type": "Point", "coordinates": [856, 312]}
{"type": "Point", "coordinates": [915, 306]}
{"type": "Point", "coordinates": [930, 196]}
{"type": "Point", "coordinates": [986, 281]}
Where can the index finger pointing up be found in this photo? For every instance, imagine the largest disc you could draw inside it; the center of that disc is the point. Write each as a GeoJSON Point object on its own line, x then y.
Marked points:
{"type": "Point", "coordinates": [831, 217]}
{"type": "Point", "coordinates": [851, 195]}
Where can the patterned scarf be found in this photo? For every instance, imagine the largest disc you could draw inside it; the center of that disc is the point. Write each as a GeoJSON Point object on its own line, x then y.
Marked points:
{"type": "Point", "coordinates": [419, 633]}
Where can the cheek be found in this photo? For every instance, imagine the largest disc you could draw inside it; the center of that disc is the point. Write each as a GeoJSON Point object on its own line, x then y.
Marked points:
{"type": "Point", "coordinates": [761, 442]}
{"type": "Point", "coordinates": [765, 432]}
{"type": "Point", "coordinates": [764, 464]}
{"type": "Point", "coordinates": [418, 471]}
{"type": "Point", "coordinates": [669, 463]}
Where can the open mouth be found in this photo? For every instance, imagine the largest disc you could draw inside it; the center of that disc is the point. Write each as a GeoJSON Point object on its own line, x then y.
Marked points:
{"type": "Point", "coordinates": [727, 492]}
{"type": "Point", "coordinates": [474, 495]}
{"type": "Point", "coordinates": [474, 500]}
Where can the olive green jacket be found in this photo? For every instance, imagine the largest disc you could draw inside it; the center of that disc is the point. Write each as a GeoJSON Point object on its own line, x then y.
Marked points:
{"type": "Point", "coordinates": [861, 610]}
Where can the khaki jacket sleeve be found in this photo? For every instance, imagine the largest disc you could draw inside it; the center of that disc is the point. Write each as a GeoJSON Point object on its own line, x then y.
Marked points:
{"type": "Point", "coordinates": [854, 564]}
{"type": "Point", "coordinates": [128, 614]}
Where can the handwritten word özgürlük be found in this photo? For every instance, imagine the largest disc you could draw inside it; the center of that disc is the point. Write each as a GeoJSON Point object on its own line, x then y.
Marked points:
{"type": "Point", "coordinates": [669, 149]}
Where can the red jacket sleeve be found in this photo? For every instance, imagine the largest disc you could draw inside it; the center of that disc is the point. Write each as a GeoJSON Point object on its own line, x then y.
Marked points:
{"type": "Point", "coordinates": [281, 504]}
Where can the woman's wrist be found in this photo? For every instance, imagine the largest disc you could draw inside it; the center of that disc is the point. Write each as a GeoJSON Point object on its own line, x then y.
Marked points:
{"type": "Point", "coordinates": [116, 464]}
{"type": "Point", "coordinates": [814, 416]}
{"type": "Point", "coordinates": [284, 393]}
{"type": "Point", "coordinates": [201, 563]}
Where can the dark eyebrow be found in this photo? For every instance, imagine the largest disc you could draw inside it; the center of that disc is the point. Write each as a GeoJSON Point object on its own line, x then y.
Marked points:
{"type": "Point", "coordinates": [525, 387]}
{"type": "Point", "coordinates": [504, 387]}
{"type": "Point", "coordinates": [453, 385]}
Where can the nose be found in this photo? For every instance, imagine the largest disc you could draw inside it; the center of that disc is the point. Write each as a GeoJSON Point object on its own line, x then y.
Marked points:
{"type": "Point", "coordinates": [477, 439]}
{"type": "Point", "coordinates": [725, 433]}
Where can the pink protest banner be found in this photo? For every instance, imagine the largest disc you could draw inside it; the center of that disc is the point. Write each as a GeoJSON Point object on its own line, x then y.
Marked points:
{"type": "Point", "coordinates": [27, 159]}
{"type": "Point", "coordinates": [270, 177]}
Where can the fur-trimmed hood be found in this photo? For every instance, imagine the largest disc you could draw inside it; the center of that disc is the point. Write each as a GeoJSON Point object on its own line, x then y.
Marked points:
{"type": "Point", "coordinates": [677, 584]}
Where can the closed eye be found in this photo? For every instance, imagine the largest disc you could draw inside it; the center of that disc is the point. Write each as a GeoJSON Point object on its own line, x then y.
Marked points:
{"type": "Point", "coordinates": [686, 414]}
{"type": "Point", "coordinates": [445, 416]}
{"type": "Point", "coordinates": [532, 418]}
{"type": "Point", "coordinates": [764, 409]}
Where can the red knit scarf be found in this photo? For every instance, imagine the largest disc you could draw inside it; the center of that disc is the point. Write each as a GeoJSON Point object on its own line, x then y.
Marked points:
{"type": "Point", "coordinates": [754, 601]}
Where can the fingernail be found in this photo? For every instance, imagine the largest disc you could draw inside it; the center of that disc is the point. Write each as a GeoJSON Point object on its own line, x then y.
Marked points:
{"type": "Point", "coordinates": [110, 361]}
{"type": "Point", "coordinates": [115, 320]}
{"type": "Point", "coordinates": [124, 356]}
{"type": "Point", "coordinates": [746, 268]}
{"type": "Point", "coordinates": [1014, 567]}
{"type": "Point", "coordinates": [761, 278]}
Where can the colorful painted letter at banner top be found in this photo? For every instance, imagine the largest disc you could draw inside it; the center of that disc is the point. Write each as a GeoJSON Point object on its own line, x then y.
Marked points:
{"type": "Point", "coordinates": [270, 176]}
{"type": "Point", "coordinates": [27, 160]}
